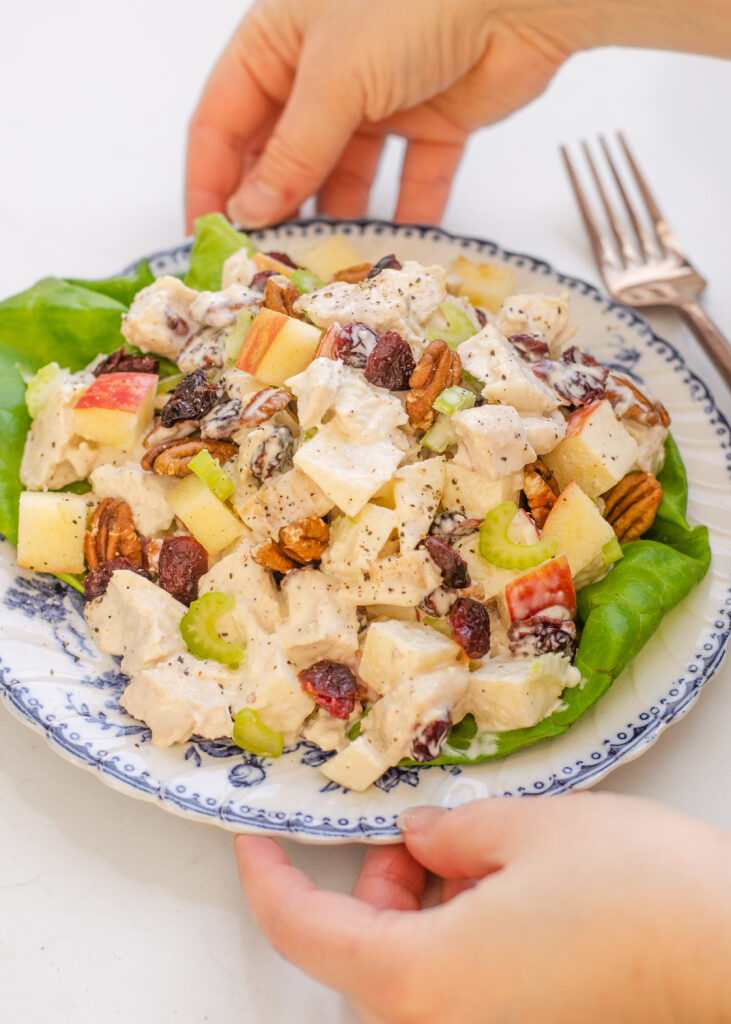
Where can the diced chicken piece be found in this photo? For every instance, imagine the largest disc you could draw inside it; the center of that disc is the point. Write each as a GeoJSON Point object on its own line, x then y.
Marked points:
{"type": "Point", "coordinates": [597, 451]}
{"type": "Point", "coordinates": [357, 766]}
{"type": "Point", "coordinates": [544, 432]}
{"type": "Point", "coordinates": [239, 575]}
{"type": "Point", "coordinates": [396, 651]}
{"type": "Point", "coordinates": [54, 454]}
{"type": "Point", "coordinates": [179, 698]}
{"type": "Point", "coordinates": [204, 349]}
{"type": "Point", "coordinates": [220, 309]}
{"type": "Point", "coordinates": [159, 319]}
{"type": "Point", "coordinates": [472, 494]}
{"type": "Point", "coordinates": [395, 719]}
{"type": "Point", "coordinates": [348, 471]}
{"type": "Point", "coordinates": [492, 441]}
{"type": "Point", "coordinates": [239, 384]}
{"type": "Point", "coordinates": [491, 358]}
{"type": "Point", "coordinates": [522, 530]}
{"type": "Point", "coordinates": [293, 495]}
{"type": "Point", "coordinates": [516, 693]}
{"type": "Point", "coordinates": [394, 300]}
{"type": "Point", "coordinates": [543, 316]}
{"type": "Point", "coordinates": [145, 493]}
{"type": "Point", "coordinates": [315, 389]}
{"type": "Point", "coordinates": [320, 621]}
{"type": "Point", "coordinates": [239, 268]}
{"type": "Point", "coordinates": [355, 544]}
{"type": "Point", "coordinates": [650, 444]}
{"type": "Point", "coordinates": [397, 580]}
{"type": "Point", "coordinates": [417, 491]}
{"type": "Point", "coordinates": [327, 732]}
{"type": "Point", "coordinates": [136, 619]}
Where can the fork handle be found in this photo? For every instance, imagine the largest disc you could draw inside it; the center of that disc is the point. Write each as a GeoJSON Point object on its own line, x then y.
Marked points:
{"type": "Point", "coordinates": [710, 338]}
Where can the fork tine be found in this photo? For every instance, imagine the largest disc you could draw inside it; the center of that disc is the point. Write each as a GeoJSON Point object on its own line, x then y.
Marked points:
{"type": "Point", "coordinates": [665, 236]}
{"type": "Point", "coordinates": [648, 244]}
{"type": "Point", "coordinates": [604, 253]}
{"type": "Point", "coordinates": [628, 252]}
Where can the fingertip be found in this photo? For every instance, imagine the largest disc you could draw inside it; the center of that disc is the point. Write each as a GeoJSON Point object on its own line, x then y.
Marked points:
{"type": "Point", "coordinates": [256, 204]}
{"type": "Point", "coordinates": [415, 819]}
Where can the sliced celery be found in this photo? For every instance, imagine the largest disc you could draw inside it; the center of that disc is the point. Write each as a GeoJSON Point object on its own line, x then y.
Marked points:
{"type": "Point", "coordinates": [234, 341]}
{"type": "Point", "coordinates": [252, 735]}
{"type": "Point", "coordinates": [198, 629]}
{"type": "Point", "coordinates": [612, 551]}
{"type": "Point", "coordinates": [306, 280]}
{"type": "Point", "coordinates": [453, 400]}
{"type": "Point", "coordinates": [440, 435]}
{"type": "Point", "coordinates": [168, 384]}
{"type": "Point", "coordinates": [497, 548]}
{"type": "Point", "coordinates": [208, 469]}
{"type": "Point", "coordinates": [459, 326]}
{"type": "Point", "coordinates": [39, 388]}
{"type": "Point", "coordinates": [73, 580]}
{"type": "Point", "coordinates": [440, 625]}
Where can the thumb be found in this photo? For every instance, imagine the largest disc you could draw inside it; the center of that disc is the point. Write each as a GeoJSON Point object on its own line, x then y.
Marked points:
{"type": "Point", "coordinates": [314, 128]}
{"type": "Point", "coordinates": [480, 838]}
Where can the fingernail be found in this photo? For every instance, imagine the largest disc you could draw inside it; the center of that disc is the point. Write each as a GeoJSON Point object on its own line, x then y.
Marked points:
{"type": "Point", "coordinates": [414, 819]}
{"type": "Point", "coordinates": [255, 205]}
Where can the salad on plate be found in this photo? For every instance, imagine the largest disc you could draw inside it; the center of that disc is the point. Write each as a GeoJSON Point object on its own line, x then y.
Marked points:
{"type": "Point", "coordinates": [391, 509]}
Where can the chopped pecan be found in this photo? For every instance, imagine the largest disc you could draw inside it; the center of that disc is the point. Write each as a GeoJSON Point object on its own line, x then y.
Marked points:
{"type": "Point", "coordinates": [172, 457]}
{"type": "Point", "coordinates": [263, 405]}
{"type": "Point", "coordinates": [438, 368]}
{"type": "Point", "coordinates": [280, 297]}
{"type": "Point", "coordinates": [630, 506]}
{"type": "Point", "coordinates": [541, 491]}
{"type": "Point", "coordinates": [269, 555]}
{"type": "Point", "coordinates": [631, 403]}
{"type": "Point", "coordinates": [304, 540]}
{"type": "Point", "coordinates": [111, 534]}
{"type": "Point", "coordinates": [354, 274]}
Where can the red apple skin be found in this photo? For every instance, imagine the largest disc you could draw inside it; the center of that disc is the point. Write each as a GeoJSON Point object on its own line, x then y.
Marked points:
{"type": "Point", "coordinates": [123, 391]}
{"type": "Point", "coordinates": [547, 585]}
{"type": "Point", "coordinates": [266, 326]}
{"type": "Point", "coordinates": [575, 422]}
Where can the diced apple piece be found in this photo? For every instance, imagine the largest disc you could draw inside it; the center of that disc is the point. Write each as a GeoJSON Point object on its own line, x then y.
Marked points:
{"type": "Point", "coordinates": [417, 492]}
{"type": "Point", "coordinates": [356, 767]}
{"type": "Point", "coordinates": [596, 452]}
{"type": "Point", "coordinates": [493, 579]}
{"type": "Point", "coordinates": [515, 693]}
{"type": "Point", "coordinates": [116, 408]}
{"type": "Point", "coordinates": [355, 544]}
{"type": "Point", "coordinates": [397, 580]}
{"type": "Point", "coordinates": [207, 518]}
{"type": "Point", "coordinates": [549, 585]}
{"type": "Point", "coordinates": [577, 526]}
{"type": "Point", "coordinates": [277, 347]}
{"type": "Point", "coordinates": [263, 262]}
{"type": "Point", "coordinates": [474, 494]}
{"type": "Point", "coordinates": [326, 258]}
{"type": "Point", "coordinates": [396, 651]}
{"type": "Point", "coordinates": [51, 530]}
{"type": "Point", "coordinates": [484, 284]}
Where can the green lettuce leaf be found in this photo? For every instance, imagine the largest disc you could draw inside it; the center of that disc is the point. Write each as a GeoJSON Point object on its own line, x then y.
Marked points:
{"type": "Point", "coordinates": [617, 616]}
{"type": "Point", "coordinates": [214, 240]}
{"type": "Point", "coordinates": [122, 289]}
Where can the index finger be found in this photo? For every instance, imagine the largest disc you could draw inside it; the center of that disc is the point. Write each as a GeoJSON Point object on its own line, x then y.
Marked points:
{"type": "Point", "coordinates": [341, 941]}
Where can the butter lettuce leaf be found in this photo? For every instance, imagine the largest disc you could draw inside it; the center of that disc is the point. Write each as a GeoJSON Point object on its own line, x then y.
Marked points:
{"type": "Point", "coordinates": [214, 240]}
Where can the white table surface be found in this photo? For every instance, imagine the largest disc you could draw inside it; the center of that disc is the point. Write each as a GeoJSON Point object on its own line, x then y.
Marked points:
{"type": "Point", "coordinates": [110, 909]}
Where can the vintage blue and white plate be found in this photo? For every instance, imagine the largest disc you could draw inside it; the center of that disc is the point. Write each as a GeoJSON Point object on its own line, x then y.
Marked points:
{"type": "Point", "coordinates": [53, 679]}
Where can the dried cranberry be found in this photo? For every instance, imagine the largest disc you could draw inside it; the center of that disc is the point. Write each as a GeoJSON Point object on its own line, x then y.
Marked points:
{"type": "Point", "coordinates": [97, 580]}
{"type": "Point", "coordinates": [391, 363]}
{"type": "Point", "coordinates": [354, 344]}
{"type": "Point", "coordinates": [274, 454]}
{"type": "Point", "coordinates": [452, 524]}
{"type": "Point", "coordinates": [470, 626]}
{"type": "Point", "coordinates": [439, 602]}
{"type": "Point", "coordinates": [332, 685]}
{"type": "Point", "coordinates": [192, 399]}
{"type": "Point", "coordinates": [123, 361]}
{"type": "Point", "coordinates": [539, 635]}
{"type": "Point", "coordinates": [259, 280]}
{"type": "Point", "coordinates": [481, 316]}
{"type": "Point", "coordinates": [430, 738]}
{"type": "Point", "coordinates": [385, 263]}
{"type": "Point", "coordinates": [176, 323]}
{"type": "Point", "coordinates": [578, 384]}
{"type": "Point", "coordinates": [283, 258]}
{"type": "Point", "coordinates": [181, 563]}
{"type": "Point", "coordinates": [451, 563]}
{"type": "Point", "coordinates": [529, 347]}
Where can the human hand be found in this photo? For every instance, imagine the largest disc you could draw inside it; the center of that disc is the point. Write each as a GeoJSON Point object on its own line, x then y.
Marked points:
{"type": "Point", "coordinates": [307, 90]}
{"type": "Point", "coordinates": [576, 908]}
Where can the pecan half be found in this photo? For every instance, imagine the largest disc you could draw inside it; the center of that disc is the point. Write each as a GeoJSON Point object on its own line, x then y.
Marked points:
{"type": "Point", "coordinates": [631, 403]}
{"type": "Point", "coordinates": [304, 540]}
{"type": "Point", "coordinates": [354, 274]}
{"type": "Point", "coordinates": [280, 297]}
{"type": "Point", "coordinates": [263, 405]}
{"type": "Point", "coordinates": [269, 555]}
{"type": "Point", "coordinates": [541, 491]}
{"type": "Point", "coordinates": [630, 506]}
{"type": "Point", "coordinates": [172, 457]}
{"type": "Point", "coordinates": [111, 534]}
{"type": "Point", "coordinates": [438, 368]}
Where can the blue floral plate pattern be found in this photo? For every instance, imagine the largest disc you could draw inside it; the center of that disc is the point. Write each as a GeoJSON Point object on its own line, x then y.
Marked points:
{"type": "Point", "coordinates": [53, 679]}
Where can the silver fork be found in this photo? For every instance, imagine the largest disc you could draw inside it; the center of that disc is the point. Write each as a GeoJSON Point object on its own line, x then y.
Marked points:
{"type": "Point", "coordinates": [651, 268]}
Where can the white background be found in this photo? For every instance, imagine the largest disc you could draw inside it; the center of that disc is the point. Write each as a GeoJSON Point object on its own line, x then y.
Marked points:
{"type": "Point", "coordinates": [111, 910]}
